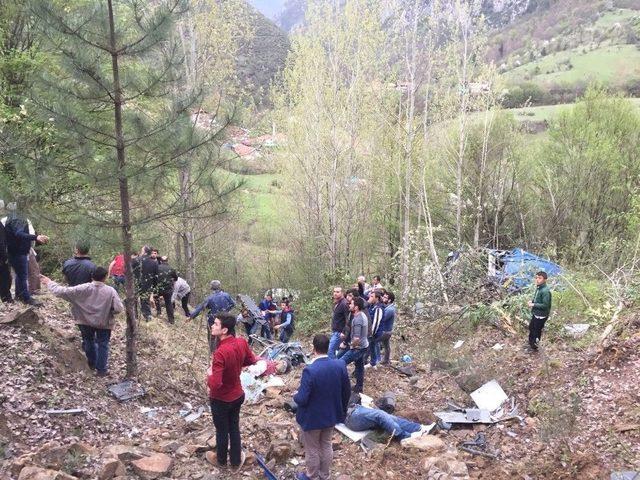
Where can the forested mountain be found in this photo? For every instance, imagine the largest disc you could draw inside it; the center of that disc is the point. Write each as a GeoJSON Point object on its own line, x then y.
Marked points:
{"type": "Point", "coordinates": [262, 57]}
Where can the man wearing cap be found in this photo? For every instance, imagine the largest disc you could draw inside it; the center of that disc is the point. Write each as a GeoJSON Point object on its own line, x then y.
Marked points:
{"type": "Point", "coordinates": [218, 301]}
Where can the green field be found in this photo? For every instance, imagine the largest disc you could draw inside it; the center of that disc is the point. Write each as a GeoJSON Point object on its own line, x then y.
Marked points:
{"type": "Point", "coordinates": [621, 15]}
{"type": "Point", "coordinates": [613, 65]}
{"type": "Point", "coordinates": [548, 112]}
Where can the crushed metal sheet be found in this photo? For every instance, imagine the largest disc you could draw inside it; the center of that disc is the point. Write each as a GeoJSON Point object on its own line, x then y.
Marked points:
{"type": "Point", "coordinates": [576, 330]}
{"type": "Point", "coordinates": [489, 396]}
{"type": "Point", "coordinates": [408, 370]}
{"type": "Point", "coordinates": [126, 390]}
{"type": "Point", "coordinates": [353, 436]}
{"type": "Point", "coordinates": [192, 417]}
{"type": "Point", "coordinates": [478, 416]}
{"type": "Point", "coordinates": [71, 411]}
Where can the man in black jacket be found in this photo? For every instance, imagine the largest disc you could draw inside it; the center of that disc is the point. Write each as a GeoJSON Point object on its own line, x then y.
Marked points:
{"type": "Point", "coordinates": [165, 287]}
{"type": "Point", "coordinates": [5, 272]}
{"type": "Point", "coordinates": [80, 268]}
{"type": "Point", "coordinates": [145, 268]}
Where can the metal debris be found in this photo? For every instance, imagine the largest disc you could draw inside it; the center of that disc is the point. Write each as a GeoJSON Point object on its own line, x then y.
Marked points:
{"type": "Point", "coordinates": [478, 446]}
{"type": "Point", "coordinates": [268, 473]}
{"type": "Point", "coordinates": [489, 396]}
{"type": "Point", "coordinates": [126, 390]}
{"type": "Point", "coordinates": [71, 411]}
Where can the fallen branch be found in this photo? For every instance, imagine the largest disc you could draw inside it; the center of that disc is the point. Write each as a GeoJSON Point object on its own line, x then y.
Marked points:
{"type": "Point", "coordinates": [612, 324]}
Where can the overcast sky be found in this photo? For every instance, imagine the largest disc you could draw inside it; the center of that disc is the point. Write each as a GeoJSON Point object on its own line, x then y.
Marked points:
{"type": "Point", "coordinates": [270, 8]}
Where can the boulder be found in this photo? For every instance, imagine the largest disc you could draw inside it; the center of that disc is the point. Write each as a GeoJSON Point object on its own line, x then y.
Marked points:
{"type": "Point", "coordinates": [152, 467]}
{"type": "Point", "coordinates": [112, 468]}
{"type": "Point", "coordinates": [25, 318]}
{"type": "Point", "coordinates": [125, 453]}
{"type": "Point", "coordinates": [427, 443]}
{"type": "Point", "coordinates": [280, 451]}
{"type": "Point", "coordinates": [169, 446]}
{"type": "Point", "coordinates": [37, 473]}
{"type": "Point", "coordinates": [54, 455]}
{"type": "Point", "coordinates": [446, 465]}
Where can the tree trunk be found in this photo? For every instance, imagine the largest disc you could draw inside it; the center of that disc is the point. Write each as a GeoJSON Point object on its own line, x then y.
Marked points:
{"type": "Point", "coordinates": [187, 227]}
{"type": "Point", "coordinates": [462, 122]}
{"type": "Point", "coordinates": [127, 241]}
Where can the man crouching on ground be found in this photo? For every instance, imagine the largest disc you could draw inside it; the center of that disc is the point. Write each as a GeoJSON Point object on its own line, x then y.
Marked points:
{"type": "Point", "coordinates": [322, 399]}
{"type": "Point", "coordinates": [225, 391]}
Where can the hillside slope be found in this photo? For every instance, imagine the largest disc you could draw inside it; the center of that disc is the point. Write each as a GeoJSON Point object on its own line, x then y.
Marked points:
{"type": "Point", "coordinates": [580, 415]}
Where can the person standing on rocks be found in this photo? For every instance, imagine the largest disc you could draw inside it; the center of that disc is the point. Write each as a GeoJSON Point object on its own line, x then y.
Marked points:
{"type": "Point", "coordinates": [359, 343]}
{"type": "Point", "coordinates": [322, 399]}
{"type": "Point", "coordinates": [20, 238]}
{"type": "Point", "coordinates": [339, 320]}
{"type": "Point", "coordinates": [225, 391]}
{"type": "Point", "coordinates": [540, 309]}
{"type": "Point", "coordinates": [388, 319]}
{"type": "Point", "coordinates": [93, 306]}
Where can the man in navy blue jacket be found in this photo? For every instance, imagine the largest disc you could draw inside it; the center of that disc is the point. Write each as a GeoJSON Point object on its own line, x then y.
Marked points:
{"type": "Point", "coordinates": [19, 243]}
{"type": "Point", "coordinates": [322, 399]}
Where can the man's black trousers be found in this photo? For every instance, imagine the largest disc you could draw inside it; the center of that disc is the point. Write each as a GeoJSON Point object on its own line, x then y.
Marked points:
{"type": "Point", "coordinates": [226, 419]}
{"type": "Point", "coordinates": [5, 279]}
{"type": "Point", "coordinates": [535, 330]}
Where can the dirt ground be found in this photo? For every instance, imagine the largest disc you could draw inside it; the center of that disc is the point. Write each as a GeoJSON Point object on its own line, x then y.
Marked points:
{"type": "Point", "coordinates": [580, 408]}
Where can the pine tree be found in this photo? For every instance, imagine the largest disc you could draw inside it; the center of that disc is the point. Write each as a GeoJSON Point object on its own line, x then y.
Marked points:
{"type": "Point", "coordinates": [114, 90]}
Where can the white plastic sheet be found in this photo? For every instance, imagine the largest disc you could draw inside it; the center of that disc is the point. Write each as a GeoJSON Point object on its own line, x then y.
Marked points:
{"type": "Point", "coordinates": [489, 396]}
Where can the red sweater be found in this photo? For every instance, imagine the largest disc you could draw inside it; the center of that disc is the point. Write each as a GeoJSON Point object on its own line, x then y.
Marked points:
{"type": "Point", "coordinates": [226, 363]}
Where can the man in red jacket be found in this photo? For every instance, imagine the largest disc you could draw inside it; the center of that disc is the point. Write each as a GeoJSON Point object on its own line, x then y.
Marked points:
{"type": "Point", "coordinates": [225, 391]}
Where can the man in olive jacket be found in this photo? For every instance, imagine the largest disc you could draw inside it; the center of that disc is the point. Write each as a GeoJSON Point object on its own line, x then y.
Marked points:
{"type": "Point", "coordinates": [540, 309]}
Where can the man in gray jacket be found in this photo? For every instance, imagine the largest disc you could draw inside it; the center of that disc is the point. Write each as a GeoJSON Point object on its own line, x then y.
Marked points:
{"type": "Point", "coordinates": [359, 344]}
{"type": "Point", "coordinates": [93, 306]}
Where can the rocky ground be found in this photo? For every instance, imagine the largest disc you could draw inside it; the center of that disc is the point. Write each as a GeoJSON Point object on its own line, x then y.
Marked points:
{"type": "Point", "coordinates": [580, 408]}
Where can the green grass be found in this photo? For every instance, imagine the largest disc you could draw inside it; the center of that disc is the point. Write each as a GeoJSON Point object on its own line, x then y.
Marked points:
{"type": "Point", "coordinates": [613, 64]}
{"type": "Point", "coordinates": [548, 112]}
{"type": "Point", "coordinates": [621, 16]}
{"type": "Point", "coordinates": [263, 200]}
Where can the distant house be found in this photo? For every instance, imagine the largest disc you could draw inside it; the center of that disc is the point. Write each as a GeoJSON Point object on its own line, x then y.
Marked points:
{"type": "Point", "coordinates": [245, 151]}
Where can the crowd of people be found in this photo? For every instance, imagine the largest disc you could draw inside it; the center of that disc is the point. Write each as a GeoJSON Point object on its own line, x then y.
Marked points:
{"type": "Point", "coordinates": [361, 328]}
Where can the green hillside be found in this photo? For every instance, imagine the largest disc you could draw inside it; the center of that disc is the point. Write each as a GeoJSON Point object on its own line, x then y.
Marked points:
{"type": "Point", "coordinates": [614, 65]}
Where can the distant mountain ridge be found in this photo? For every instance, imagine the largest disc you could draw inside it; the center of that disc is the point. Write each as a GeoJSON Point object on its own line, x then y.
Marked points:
{"type": "Point", "coordinates": [498, 12]}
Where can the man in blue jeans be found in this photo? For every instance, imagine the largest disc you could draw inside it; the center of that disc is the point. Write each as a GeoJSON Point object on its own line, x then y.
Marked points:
{"type": "Point", "coordinates": [361, 418]}
{"type": "Point", "coordinates": [359, 345]}
{"type": "Point", "coordinates": [20, 240]}
{"type": "Point", "coordinates": [93, 306]}
{"type": "Point", "coordinates": [339, 320]}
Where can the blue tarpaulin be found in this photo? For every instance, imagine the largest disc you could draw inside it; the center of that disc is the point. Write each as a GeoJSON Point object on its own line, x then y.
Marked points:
{"type": "Point", "coordinates": [516, 268]}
